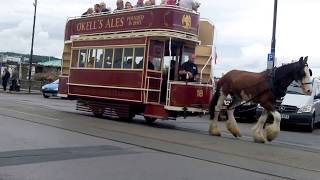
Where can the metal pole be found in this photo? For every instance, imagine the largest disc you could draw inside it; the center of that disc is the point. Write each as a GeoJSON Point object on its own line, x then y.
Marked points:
{"type": "Point", "coordinates": [273, 42]}
{"type": "Point", "coordinates": [31, 53]}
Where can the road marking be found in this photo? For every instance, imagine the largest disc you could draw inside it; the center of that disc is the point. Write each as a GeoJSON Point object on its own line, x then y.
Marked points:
{"type": "Point", "coordinates": [29, 114]}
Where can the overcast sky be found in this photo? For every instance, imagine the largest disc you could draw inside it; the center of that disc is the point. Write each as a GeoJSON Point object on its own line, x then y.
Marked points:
{"type": "Point", "coordinates": [243, 29]}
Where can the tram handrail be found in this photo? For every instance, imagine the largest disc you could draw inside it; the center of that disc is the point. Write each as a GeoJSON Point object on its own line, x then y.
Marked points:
{"type": "Point", "coordinates": [201, 72]}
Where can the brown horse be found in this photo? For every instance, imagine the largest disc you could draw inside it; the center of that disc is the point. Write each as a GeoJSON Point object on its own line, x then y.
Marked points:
{"type": "Point", "coordinates": [263, 88]}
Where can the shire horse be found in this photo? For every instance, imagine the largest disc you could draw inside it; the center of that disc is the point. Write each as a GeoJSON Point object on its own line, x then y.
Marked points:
{"type": "Point", "coordinates": [263, 88]}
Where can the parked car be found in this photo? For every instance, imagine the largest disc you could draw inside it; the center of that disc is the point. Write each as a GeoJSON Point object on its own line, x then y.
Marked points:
{"type": "Point", "coordinates": [299, 109]}
{"type": "Point", "coordinates": [245, 112]}
{"type": "Point", "coordinates": [50, 89]}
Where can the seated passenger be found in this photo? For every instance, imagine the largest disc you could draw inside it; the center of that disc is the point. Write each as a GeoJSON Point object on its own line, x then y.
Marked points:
{"type": "Point", "coordinates": [97, 9]}
{"type": "Point", "coordinates": [150, 65]}
{"type": "Point", "coordinates": [104, 8]}
{"type": "Point", "coordinates": [189, 71]}
{"type": "Point", "coordinates": [120, 5]}
{"type": "Point", "coordinates": [153, 2]}
{"type": "Point", "coordinates": [189, 4]}
{"type": "Point", "coordinates": [139, 4]}
{"type": "Point", "coordinates": [128, 5]}
{"type": "Point", "coordinates": [128, 64]}
{"type": "Point", "coordinates": [88, 12]}
{"type": "Point", "coordinates": [90, 62]}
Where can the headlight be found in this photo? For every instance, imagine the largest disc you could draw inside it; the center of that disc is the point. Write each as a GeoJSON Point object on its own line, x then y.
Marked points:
{"type": "Point", "coordinates": [304, 109]}
{"type": "Point", "coordinates": [55, 89]}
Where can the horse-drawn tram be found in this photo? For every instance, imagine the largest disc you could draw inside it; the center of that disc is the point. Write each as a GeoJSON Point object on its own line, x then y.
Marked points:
{"type": "Point", "coordinates": [127, 63]}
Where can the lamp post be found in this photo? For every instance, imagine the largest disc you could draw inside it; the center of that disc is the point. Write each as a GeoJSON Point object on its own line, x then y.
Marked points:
{"type": "Point", "coordinates": [31, 53]}
{"type": "Point", "coordinates": [272, 55]}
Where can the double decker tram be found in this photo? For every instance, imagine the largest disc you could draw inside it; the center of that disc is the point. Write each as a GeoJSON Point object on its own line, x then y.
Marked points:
{"type": "Point", "coordinates": [126, 63]}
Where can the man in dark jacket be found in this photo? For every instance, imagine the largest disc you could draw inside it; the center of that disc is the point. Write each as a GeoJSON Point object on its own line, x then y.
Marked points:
{"type": "Point", "coordinates": [188, 70]}
{"type": "Point", "coordinates": [5, 79]}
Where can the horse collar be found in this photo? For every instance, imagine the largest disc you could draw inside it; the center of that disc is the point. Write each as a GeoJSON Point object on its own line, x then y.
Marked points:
{"type": "Point", "coordinates": [276, 88]}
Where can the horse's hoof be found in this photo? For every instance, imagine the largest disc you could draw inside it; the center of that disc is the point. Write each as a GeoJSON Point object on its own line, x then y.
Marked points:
{"type": "Point", "coordinates": [235, 131]}
{"type": "Point", "coordinates": [272, 133]}
{"type": "Point", "coordinates": [214, 132]}
{"type": "Point", "coordinates": [259, 140]}
{"type": "Point", "coordinates": [259, 137]}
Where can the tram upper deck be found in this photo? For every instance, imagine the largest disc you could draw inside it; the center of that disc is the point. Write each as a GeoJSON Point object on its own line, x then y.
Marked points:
{"type": "Point", "coordinates": [169, 21]}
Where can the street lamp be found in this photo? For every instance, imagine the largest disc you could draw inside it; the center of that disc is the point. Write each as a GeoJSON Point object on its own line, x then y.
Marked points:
{"type": "Point", "coordinates": [272, 55]}
{"type": "Point", "coordinates": [31, 53]}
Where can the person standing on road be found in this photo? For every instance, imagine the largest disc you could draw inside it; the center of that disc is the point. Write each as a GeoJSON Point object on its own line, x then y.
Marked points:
{"type": "Point", "coordinates": [5, 79]}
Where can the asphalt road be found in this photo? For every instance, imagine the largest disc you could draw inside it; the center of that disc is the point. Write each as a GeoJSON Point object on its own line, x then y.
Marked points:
{"type": "Point", "coordinates": [47, 139]}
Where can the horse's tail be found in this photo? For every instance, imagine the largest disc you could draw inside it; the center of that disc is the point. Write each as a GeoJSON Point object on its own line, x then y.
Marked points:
{"type": "Point", "coordinates": [214, 101]}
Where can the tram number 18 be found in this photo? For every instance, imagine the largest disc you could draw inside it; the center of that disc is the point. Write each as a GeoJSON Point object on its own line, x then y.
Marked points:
{"type": "Point", "coordinates": [200, 93]}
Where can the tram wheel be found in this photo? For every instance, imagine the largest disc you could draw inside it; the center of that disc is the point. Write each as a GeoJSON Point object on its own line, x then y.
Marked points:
{"type": "Point", "coordinates": [98, 113]}
{"type": "Point", "coordinates": [150, 120]}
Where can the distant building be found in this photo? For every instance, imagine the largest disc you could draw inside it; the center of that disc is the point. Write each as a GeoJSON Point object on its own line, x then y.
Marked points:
{"type": "Point", "coordinates": [6, 58]}
{"type": "Point", "coordinates": [52, 63]}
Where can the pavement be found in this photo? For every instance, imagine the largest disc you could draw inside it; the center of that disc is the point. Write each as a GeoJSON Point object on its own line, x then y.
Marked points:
{"type": "Point", "coordinates": [22, 91]}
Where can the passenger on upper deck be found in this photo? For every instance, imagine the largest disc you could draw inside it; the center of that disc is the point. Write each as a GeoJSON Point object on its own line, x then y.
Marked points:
{"type": "Point", "coordinates": [88, 12]}
{"type": "Point", "coordinates": [189, 4]}
{"type": "Point", "coordinates": [97, 9]}
{"type": "Point", "coordinates": [147, 3]}
{"type": "Point", "coordinates": [171, 2]}
{"type": "Point", "coordinates": [104, 8]}
{"type": "Point", "coordinates": [120, 5]}
{"type": "Point", "coordinates": [188, 70]}
{"type": "Point", "coordinates": [128, 5]}
{"type": "Point", "coordinates": [139, 4]}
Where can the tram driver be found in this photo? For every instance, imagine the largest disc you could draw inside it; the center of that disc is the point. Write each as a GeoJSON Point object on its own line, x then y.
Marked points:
{"type": "Point", "coordinates": [189, 71]}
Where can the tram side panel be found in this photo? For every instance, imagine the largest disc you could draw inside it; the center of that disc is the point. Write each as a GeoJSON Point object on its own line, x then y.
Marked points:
{"type": "Point", "coordinates": [105, 84]}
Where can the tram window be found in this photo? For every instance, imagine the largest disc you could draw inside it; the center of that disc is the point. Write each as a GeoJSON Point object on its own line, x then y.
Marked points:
{"type": "Point", "coordinates": [91, 58]}
{"type": "Point", "coordinates": [118, 52]}
{"type": "Point", "coordinates": [128, 58]}
{"type": "Point", "coordinates": [187, 54]}
{"type": "Point", "coordinates": [75, 57]}
{"type": "Point", "coordinates": [108, 58]}
{"type": "Point", "coordinates": [154, 64]}
{"type": "Point", "coordinates": [83, 58]}
{"type": "Point", "coordinates": [99, 59]}
{"type": "Point", "coordinates": [138, 58]}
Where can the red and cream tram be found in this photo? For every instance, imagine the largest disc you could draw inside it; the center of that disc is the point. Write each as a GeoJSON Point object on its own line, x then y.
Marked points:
{"type": "Point", "coordinates": [126, 63]}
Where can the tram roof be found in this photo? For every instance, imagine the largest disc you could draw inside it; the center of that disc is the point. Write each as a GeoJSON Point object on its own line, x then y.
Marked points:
{"type": "Point", "coordinates": [171, 21]}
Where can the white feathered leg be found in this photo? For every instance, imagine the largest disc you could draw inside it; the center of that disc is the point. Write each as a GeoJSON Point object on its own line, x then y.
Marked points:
{"type": "Point", "coordinates": [259, 135]}
{"type": "Point", "coordinates": [214, 127]}
{"type": "Point", "coordinates": [273, 129]}
{"type": "Point", "coordinates": [232, 125]}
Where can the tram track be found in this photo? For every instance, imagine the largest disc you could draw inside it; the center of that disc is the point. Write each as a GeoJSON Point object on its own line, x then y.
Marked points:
{"type": "Point", "coordinates": [197, 131]}
{"type": "Point", "coordinates": [147, 147]}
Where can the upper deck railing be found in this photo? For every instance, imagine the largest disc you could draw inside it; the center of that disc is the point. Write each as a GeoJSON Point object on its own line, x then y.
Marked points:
{"type": "Point", "coordinates": [167, 18]}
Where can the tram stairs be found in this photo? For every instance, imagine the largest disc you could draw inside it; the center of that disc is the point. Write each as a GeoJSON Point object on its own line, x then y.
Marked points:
{"type": "Point", "coordinates": [204, 51]}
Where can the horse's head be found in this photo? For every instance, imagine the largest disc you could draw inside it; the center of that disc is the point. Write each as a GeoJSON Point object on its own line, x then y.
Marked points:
{"type": "Point", "coordinates": [303, 75]}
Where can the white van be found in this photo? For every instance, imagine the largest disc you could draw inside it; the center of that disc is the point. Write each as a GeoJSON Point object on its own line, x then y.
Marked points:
{"type": "Point", "coordinates": [299, 109]}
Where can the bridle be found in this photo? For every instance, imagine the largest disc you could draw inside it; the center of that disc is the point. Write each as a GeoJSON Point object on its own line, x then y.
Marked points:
{"type": "Point", "coordinates": [310, 72]}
